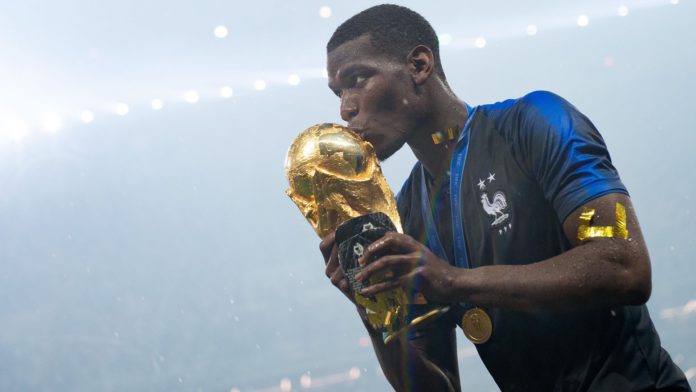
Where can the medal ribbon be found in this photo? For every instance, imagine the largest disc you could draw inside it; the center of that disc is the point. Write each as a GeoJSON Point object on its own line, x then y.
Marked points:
{"type": "Point", "coordinates": [461, 258]}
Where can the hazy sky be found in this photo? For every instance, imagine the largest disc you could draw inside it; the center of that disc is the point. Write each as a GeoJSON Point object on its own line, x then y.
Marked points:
{"type": "Point", "coordinates": [146, 249]}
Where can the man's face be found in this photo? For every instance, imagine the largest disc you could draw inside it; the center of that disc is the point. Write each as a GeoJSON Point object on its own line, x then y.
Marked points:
{"type": "Point", "coordinates": [377, 94]}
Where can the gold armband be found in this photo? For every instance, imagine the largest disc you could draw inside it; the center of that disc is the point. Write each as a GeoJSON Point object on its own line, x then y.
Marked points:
{"type": "Point", "coordinates": [619, 229]}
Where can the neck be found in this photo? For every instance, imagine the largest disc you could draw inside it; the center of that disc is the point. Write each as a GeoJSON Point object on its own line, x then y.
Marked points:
{"type": "Point", "coordinates": [448, 112]}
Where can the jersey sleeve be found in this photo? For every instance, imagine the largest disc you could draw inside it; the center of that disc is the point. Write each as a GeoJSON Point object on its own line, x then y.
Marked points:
{"type": "Point", "coordinates": [564, 152]}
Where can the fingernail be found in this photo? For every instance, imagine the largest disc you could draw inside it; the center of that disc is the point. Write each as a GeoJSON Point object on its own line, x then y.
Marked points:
{"type": "Point", "coordinates": [358, 277]}
{"type": "Point", "coordinates": [361, 261]}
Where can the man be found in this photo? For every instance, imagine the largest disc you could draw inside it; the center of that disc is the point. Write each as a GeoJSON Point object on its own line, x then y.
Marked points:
{"type": "Point", "coordinates": [527, 229]}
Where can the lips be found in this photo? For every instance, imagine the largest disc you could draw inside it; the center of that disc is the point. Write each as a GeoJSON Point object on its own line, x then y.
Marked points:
{"type": "Point", "coordinates": [361, 131]}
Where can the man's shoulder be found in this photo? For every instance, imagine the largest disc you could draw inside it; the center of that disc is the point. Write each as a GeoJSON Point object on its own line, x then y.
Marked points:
{"type": "Point", "coordinates": [539, 100]}
{"type": "Point", "coordinates": [537, 115]}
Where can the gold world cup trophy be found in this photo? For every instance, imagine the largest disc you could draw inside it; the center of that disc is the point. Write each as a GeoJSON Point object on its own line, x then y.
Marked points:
{"type": "Point", "coordinates": [335, 179]}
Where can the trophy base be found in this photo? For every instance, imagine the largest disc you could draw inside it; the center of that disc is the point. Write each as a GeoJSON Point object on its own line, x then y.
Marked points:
{"type": "Point", "coordinates": [419, 321]}
{"type": "Point", "coordinates": [393, 312]}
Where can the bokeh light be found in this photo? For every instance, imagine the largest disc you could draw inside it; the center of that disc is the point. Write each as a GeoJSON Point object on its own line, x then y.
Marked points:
{"type": "Point", "coordinates": [294, 79]}
{"type": "Point", "coordinates": [583, 20]}
{"type": "Point", "coordinates": [325, 12]}
{"type": "Point", "coordinates": [226, 92]}
{"type": "Point", "coordinates": [260, 85]}
{"type": "Point", "coordinates": [364, 341]}
{"type": "Point", "coordinates": [285, 385]}
{"type": "Point", "coordinates": [122, 109]}
{"type": "Point", "coordinates": [531, 30]}
{"type": "Point", "coordinates": [480, 42]}
{"type": "Point", "coordinates": [354, 373]}
{"type": "Point", "coordinates": [306, 381]}
{"type": "Point", "coordinates": [192, 96]}
{"type": "Point", "coordinates": [622, 10]}
{"type": "Point", "coordinates": [445, 39]}
{"type": "Point", "coordinates": [87, 116]}
{"type": "Point", "coordinates": [157, 104]}
{"type": "Point", "coordinates": [220, 31]}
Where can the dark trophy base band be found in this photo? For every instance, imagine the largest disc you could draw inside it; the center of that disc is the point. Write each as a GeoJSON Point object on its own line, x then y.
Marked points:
{"type": "Point", "coordinates": [391, 313]}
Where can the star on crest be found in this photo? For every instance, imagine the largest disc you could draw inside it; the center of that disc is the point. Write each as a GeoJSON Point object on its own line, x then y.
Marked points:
{"type": "Point", "coordinates": [491, 177]}
{"type": "Point", "coordinates": [482, 184]}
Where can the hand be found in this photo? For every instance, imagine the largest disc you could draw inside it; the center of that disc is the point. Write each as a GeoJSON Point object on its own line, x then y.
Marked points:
{"type": "Point", "coordinates": [412, 266]}
{"type": "Point", "coordinates": [333, 268]}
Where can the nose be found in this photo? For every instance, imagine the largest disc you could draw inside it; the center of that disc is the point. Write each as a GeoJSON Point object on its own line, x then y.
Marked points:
{"type": "Point", "coordinates": [349, 108]}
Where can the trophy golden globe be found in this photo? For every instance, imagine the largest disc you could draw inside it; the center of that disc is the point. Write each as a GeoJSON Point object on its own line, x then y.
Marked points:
{"type": "Point", "coordinates": [336, 181]}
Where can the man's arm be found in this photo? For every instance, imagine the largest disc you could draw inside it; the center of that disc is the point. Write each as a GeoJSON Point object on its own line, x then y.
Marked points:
{"type": "Point", "coordinates": [598, 272]}
{"type": "Point", "coordinates": [425, 363]}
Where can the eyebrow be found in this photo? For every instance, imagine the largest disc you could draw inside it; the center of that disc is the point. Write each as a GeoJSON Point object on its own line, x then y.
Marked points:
{"type": "Point", "coordinates": [352, 68]}
{"type": "Point", "coordinates": [347, 72]}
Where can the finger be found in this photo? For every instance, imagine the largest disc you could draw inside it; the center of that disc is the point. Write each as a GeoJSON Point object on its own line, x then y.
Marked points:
{"type": "Point", "coordinates": [391, 242]}
{"type": "Point", "coordinates": [407, 282]}
{"type": "Point", "coordinates": [333, 259]}
{"type": "Point", "coordinates": [340, 281]}
{"type": "Point", "coordinates": [344, 286]}
{"type": "Point", "coordinates": [399, 264]}
{"type": "Point", "coordinates": [332, 263]}
{"type": "Point", "coordinates": [336, 277]}
{"type": "Point", "coordinates": [380, 287]}
{"type": "Point", "coordinates": [331, 267]}
{"type": "Point", "coordinates": [327, 246]}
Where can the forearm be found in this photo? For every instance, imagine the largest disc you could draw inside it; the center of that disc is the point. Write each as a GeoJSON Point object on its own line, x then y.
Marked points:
{"type": "Point", "coordinates": [603, 273]}
{"type": "Point", "coordinates": [426, 363]}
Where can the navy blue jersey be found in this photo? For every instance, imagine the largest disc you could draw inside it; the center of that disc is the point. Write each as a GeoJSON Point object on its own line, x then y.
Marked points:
{"type": "Point", "coordinates": [530, 163]}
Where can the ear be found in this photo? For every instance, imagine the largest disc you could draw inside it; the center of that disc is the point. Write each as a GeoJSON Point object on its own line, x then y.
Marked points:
{"type": "Point", "coordinates": [421, 63]}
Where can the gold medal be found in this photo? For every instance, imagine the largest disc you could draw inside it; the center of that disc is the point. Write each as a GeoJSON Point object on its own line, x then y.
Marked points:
{"type": "Point", "coordinates": [477, 325]}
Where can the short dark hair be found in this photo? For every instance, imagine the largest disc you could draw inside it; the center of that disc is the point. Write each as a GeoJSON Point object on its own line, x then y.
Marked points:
{"type": "Point", "coordinates": [394, 30]}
